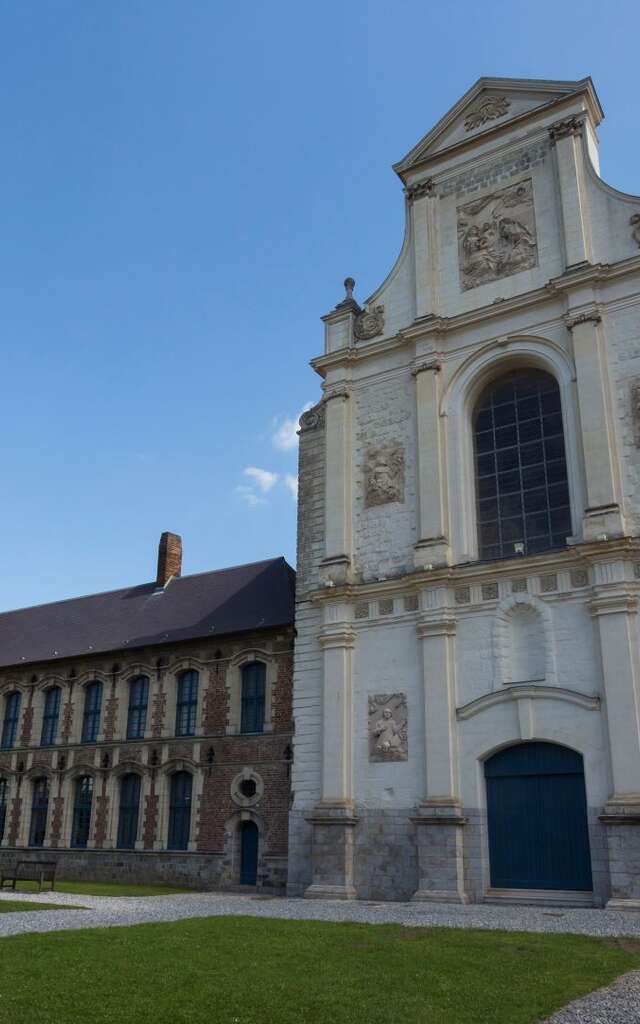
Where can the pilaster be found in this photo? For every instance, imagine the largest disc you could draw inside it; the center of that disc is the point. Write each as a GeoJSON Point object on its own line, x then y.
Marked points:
{"type": "Point", "coordinates": [567, 137]}
{"type": "Point", "coordinates": [336, 565]}
{"type": "Point", "coordinates": [432, 547]}
{"type": "Point", "coordinates": [333, 820]}
{"type": "Point", "coordinates": [439, 821]}
{"type": "Point", "coordinates": [603, 516]}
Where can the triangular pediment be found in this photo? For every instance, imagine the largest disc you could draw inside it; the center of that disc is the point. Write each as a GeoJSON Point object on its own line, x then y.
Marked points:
{"type": "Point", "coordinates": [492, 103]}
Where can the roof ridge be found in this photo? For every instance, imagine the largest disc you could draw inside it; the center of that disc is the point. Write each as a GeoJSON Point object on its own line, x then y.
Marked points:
{"type": "Point", "coordinates": [140, 586]}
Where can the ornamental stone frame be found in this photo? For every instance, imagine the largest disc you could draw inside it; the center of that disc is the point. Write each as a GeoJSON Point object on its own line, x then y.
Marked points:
{"type": "Point", "coordinates": [238, 797]}
{"type": "Point", "coordinates": [502, 652]}
{"type": "Point", "coordinates": [458, 402]}
{"type": "Point", "coordinates": [233, 683]}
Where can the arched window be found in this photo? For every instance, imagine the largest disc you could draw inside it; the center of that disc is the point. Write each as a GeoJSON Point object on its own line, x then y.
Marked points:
{"type": "Point", "coordinates": [129, 809]}
{"type": "Point", "coordinates": [83, 799]}
{"type": "Point", "coordinates": [138, 701]}
{"type": "Point", "coordinates": [39, 808]}
{"type": "Point", "coordinates": [179, 811]}
{"type": "Point", "coordinates": [3, 806]}
{"type": "Point", "coordinates": [11, 719]}
{"type": "Point", "coordinates": [522, 493]}
{"type": "Point", "coordinates": [92, 708]}
{"type": "Point", "coordinates": [253, 687]}
{"type": "Point", "coordinates": [50, 717]}
{"type": "Point", "coordinates": [187, 703]}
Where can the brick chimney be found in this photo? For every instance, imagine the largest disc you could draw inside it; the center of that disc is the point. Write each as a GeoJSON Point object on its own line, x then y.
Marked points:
{"type": "Point", "coordinates": [169, 558]}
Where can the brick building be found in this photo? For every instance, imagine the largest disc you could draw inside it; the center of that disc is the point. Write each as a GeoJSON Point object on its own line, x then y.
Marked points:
{"type": "Point", "coordinates": [146, 732]}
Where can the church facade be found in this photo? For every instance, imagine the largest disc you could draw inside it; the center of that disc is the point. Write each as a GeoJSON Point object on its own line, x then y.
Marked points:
{"type": "Point", "coordinates": [467, 678]}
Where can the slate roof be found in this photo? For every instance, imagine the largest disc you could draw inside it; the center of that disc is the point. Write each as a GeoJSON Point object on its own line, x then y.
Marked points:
{"type": "Point", "coordinates": [246, 597]}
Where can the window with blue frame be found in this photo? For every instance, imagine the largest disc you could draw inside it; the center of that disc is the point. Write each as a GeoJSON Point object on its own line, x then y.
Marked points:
{"type": "Point", "coordinates": [83, 799]}
{"type": "Point", "coordinates": [138, 701]}
{"type": "Point", "coordinates": [39, 809]}
{"type": "Point", "coordinates": [92, 709]}
{"type": "Point", "coordinates": [10, 721]}
{"type": "Point", "coordinates": [253, 690]}
{"type": "Point", "coordinates": [179, 811]}
{"type": "Point", "coordinates": [3, 806]}
{"type": "Point", "coordinates": [50, 716]}
{"type": "Point", "coordinates": [522, 489]}
{"type": "Point", "coordinates": [129, 810]}
{"type": "Point", "coordinates": [187, 703]}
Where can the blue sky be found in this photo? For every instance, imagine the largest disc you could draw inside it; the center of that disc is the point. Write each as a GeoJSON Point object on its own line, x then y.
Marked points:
{"type": "Point", "coordinates": [184, 185]}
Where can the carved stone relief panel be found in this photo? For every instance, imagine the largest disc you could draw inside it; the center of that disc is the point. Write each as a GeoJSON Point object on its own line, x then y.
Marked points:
{"type": "Point", "coordinates": [497, 235]}
{"type": "Point", "coordinates": [369, 323]}
{"type": "Point", "coordinates": [384, 474]}
{"type": "Point", "coordinates": [388, 727]}
{"type": "Point", "coordinates": [490, 108]}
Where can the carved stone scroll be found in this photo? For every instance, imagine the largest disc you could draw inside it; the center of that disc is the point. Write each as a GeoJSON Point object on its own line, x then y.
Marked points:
{"type": "Point", "coordinates": [488, 109]}
{"type": "Point", "coordinates": [369, 323]}
{"type": "Point", "coordinates": [497, 235]}
{"type": "Point", "coordinates": [388, 727]}
{"type": "Point", "coordinates": [384, 474]}
{"type": "Point", "coordinates": [634, 221]}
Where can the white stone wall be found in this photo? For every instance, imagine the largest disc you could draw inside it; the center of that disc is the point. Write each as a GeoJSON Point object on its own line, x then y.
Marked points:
{"type": "Point", "coordinates": [562, 626]}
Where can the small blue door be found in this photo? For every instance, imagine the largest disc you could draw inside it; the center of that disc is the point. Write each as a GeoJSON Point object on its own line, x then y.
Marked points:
{"type": "Point", "coordinates": [248, 853]}
{"type": "Point", "coordinates": [537, 818]}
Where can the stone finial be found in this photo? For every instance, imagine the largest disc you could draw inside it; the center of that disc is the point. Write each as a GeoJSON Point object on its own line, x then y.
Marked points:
{"type": "Point", "coordinates": [349, 302]}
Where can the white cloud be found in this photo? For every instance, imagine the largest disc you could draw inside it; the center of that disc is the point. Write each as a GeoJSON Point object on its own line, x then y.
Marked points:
{"type": "Point", "coordinates": [285, 436]}
{"type": "Point", "coordinates": [249, 496]}
{"type": "Point", "coordinates": [263, 479]}
{"type": "Point", "coordinates": [291, 482]}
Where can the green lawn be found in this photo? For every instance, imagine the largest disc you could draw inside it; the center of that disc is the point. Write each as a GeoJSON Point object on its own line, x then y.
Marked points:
{"type": "Point", "coordinates": [261, 971]}
{"type": "Point", "coordinates": [103, 889]}
{"type": "Point", "coordinates": [13, 906]}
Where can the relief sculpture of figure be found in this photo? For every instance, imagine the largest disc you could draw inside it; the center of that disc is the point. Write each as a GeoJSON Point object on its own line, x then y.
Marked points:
{"type": "Point", "coordinates": [388, 733]}
{"type": "Point", "coordinates": [496, 235]}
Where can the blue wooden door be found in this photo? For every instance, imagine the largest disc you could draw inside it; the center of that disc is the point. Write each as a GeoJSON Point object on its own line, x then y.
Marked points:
{"type": "Point", "coordinates": [248, 853]}
{"type": "Point", "coordinates": [537, 818]}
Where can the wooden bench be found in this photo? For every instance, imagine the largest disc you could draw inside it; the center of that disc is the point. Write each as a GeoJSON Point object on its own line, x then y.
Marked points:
{"type": "Point", "coordinates": [29, 871]}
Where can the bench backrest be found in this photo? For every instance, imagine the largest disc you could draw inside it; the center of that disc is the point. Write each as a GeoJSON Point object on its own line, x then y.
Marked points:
{"type": "Point", "coordinates": [30, 869]}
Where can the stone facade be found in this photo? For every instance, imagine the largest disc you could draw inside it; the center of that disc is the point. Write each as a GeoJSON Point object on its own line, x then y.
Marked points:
{"type": "Point", "coordinates": [217, 756]}
{"type": "Point", "coordinates": [392, 596]}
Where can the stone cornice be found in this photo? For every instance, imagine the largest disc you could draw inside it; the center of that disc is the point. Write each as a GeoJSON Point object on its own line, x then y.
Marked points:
{"type": "Point", "coordinates": [574, 557]}
{"type": "Point", "coordinates": [445, 626]}
{"type": "Point", "coordinates": [527, 691]}
{"type": "Point", "coordinates": [440, 326]}
{"type": "Point", "coordinates": [618, 602]}
{"type": "Point", "coordinates": [337, 638]}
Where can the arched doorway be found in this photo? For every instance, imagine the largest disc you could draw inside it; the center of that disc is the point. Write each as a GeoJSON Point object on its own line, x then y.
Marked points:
{"type": "Point", "coordinates": [537, 819]}
{"type": "Point", "coordinates": [249, 837]}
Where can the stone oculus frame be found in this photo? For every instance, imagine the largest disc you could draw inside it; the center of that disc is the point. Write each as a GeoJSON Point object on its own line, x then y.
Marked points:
{"type": "Point", "coordinates": [497, 235]}
{"type": "Point", "coordinates": [388, 727]}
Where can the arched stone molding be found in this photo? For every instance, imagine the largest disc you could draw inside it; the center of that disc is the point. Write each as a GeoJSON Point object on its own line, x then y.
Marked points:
{"type": "Point", "coordinates": [503, 639]}
{"type": "Point", "coordinates": [113, 793]}
{"type": "Point", "coordinates": [171, 674]}
{"type": "Point", "coordinates": [41, 689]}
{"type": "Point", "coordinates": [525, 691]}
{"type": "Point", "coordinates": [458, 402]}
{"type": "Point", "coordinates": [247, 774]}
{"type": "Point", "coordinates": [233, 683]}
{"type": "Point", "coordinates": [82, 682]}
{"type": "Point", "coordinates": [68, 792]}
{"type": "Point", "coordinates": [163, 791]}
{"type": "Point", "coordinates": [123, 689]}
{"type": "Point", "coordinates": [29, 780]}
{"type": "Point", "coordinates": [232, 843]}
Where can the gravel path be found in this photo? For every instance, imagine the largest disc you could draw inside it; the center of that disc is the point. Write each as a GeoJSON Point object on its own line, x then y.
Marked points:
{"type": "Point", "coordinates": [105, 911]}
{"type": "Point", "coordinates": [617, 1004]}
